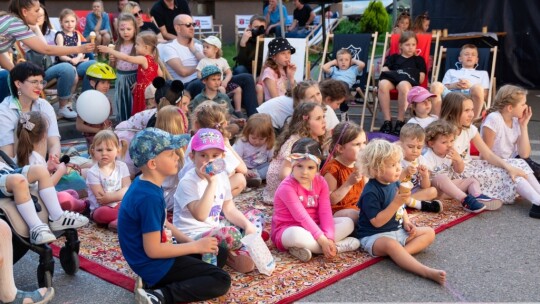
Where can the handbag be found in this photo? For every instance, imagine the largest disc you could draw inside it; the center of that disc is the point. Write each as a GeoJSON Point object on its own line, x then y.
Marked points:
{"type": "Point", "coordinates": [43, 61]}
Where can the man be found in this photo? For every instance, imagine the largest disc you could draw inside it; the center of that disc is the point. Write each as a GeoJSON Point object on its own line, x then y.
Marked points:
{"type": "Point", "coordinates": [303, 18]}
{"type": "Point", "coordinates": [164, 13]}
{"type": "Point", "coordinates": [273, 17]}
{"type": "Point", "coordinates": [114, 16]}
{"type": "Point", "coordinates": [246, 46]}
{"type": "Point", "coordinates": [181, 57]}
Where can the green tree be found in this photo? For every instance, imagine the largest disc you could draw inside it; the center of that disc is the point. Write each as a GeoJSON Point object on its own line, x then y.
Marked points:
{"type": "Point", "coordinates": [375, 18]}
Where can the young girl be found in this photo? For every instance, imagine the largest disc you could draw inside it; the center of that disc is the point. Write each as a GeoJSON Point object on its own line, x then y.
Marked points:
{"type": "Point", "coordinates": [421, 24]}
{"type": "Point", "coordinates": [493, 173]}
{"type": "Point", "coordinates": [402, 72]}
{"type": "Point", "coordinates": [420, 101]}
{"type": "Point", "coordinates": [173, 120]}
{"type": "Point", "coordinates": [345, 181]}
{"type": "Point", "coordinates": [147, 60]}
{"type": "Point", "coordinates": [403, 23]}
{"type": "Point", "coordinates": [126, 71]}
{"type": "Point", "coordinates": [307, 121]}
{"type": "Point", "coordinates": [505, 130]}
{"type": "Point", "coordinates": [212, 51]}
{"type": "Point", "coordinates": [278, 73]}
{"type": "Point", "coordinates": [384, 228]}
{"type": "Point", "coordinates": [302, 221]}
{"type": "Point", "coordinates": [256, 147]}
{"type": "Point", "coordinates": [334, 93]}
{"type": "Point", "coordinates": [214, 116]}
{"type": "Point", "coordinates": [108, 180]}
{"type": "Point", "coordinates": [202, 197]}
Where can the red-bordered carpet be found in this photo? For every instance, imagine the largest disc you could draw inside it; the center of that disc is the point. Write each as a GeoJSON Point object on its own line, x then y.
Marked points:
{"type": "Point", "coordinates": [100, 255]}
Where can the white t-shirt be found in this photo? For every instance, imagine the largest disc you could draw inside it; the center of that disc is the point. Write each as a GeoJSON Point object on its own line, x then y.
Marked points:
{"type": "Point", "coordinates": [437, 165]}
{"type": "Point", "coordinates": [252, 156]}
{"type": "Point", "coordinates": [109, 183]}
{"type": "Point", "coordinates": [331, 118]}
{"type": "Point", "coordinates": [231, 162]}
{"type": "Point", "coordinates": [505, 145]}
{"type": "Point", "coordinates": [172, 50]}
{"type": "Point", "coordinates": [472, 75]}
{"type": "Point", "coordinates": [221, 63]}
{"type": "Point", "coordinates": [279, 108]}
{"type": "Point", "coordinates": [191, 188]}
{"type": "Point", "coordinates": [423, 122]}
{"type": "Point", "coordinates": [462, 144]}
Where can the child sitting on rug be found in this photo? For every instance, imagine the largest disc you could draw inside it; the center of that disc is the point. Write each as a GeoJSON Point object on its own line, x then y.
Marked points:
{"type": "Point", "coordinates": [384, 228]}
{"type": "Point", "coordinates": [170, 271]}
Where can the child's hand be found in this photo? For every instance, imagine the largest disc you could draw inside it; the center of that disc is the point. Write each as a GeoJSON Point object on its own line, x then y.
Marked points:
{"type": "Point", "coordinates": [74, 61]}
{"type": "Point", "coordinates": [53, 163]}
{"type": "Point", "coordinates": [208, 177]}
{"type": "Point", "coordinates": [526, 117]}
{"type": "Point", "coordinates": [104, 49]}
{"type": "Point", "coordinates": [250, 229]}
{"type": "Point", "coordinates": [463, 84]}
{"type": "Point", "coordinates": [62, 168]}
{"type": "Point", "coordinates": [355, 177]}
{"type": "Point", "coordinates": [453, 155]}
{"type": "Point", "coordinates": [411, 170]}
{"type": "Point", "coordinates": [291, 70]}
{"type": "Point", "coordinates": [401, 198]}
{"type": "Point", "coordinates": [410, 228]}
{"type": "Point", "coordinates": [516, 172]}
{"type": "Point", "coordinates": [222, 90]}
{"type": "Point", "coordinates": [207, 245]}
{"type": "Point", "coordinates": [328, 247]}
{"type": "Point", "coordinates": [423, 170]}
{"type": "Point", "coordinates": [86, 48]}
{"type": "Point", "coordinates": [251, 173]}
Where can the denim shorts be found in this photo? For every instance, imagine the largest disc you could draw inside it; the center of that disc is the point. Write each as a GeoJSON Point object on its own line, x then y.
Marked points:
{"type": "Point", "coordinates": [447, 90]}
{"type": "Point", "coordinates": [399, 235]}
{"type": "Point", "coordinates": [3, 178]}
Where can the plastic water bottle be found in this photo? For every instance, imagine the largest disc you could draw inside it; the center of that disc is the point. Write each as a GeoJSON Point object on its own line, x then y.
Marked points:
{"type": "Point", "coordinates": [215, 167]}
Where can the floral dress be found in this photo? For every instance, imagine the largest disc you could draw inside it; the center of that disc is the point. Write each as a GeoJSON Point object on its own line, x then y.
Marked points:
{"type": "Point", "coordinates": [144, 78]}
{"type": "Point", "coordinates": [274, 169]}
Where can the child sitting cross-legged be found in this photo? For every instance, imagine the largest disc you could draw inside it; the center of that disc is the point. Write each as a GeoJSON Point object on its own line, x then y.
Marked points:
{"type": "Point", "coordinates": [384, 228]}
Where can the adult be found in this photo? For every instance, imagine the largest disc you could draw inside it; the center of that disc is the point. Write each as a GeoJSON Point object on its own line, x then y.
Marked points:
{"type": "Point", "coordinates": [135, 9]}
{"type": "Point", "coordinates": [273, 17]}
{"type": "Point", "coordinates": [181, 57]}
{"type": "Point", "coordinates": [97, 21]}
{"type": "Point", "coordinates": [26, 83]}
{"type": "Point", "coordinates": [303, 17]}
{"type": "Point", "coordinates": [164, 13]}
{"type": "Point", "coordinates": [247, 44]}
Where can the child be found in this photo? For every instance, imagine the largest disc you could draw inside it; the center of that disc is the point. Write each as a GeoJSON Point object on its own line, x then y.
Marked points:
{"type": "Point", "coordinates": [166, 267]}
{"type": "Point", "coordinates": [421, 24]}
{"type": "Point", "coordinates": [127, 71]}
{"type": "Point", "coordinates": [420, 101]}
{"type": "Point", "coordinates": [302, 221]}
{"type": "Point", "coordinates": [402, 72]}
{"type": "Point", "coordinates": [150, 97]}
{"type": "Point", "coordinates": [278, 73]}
{"type": "Point", "coordinates": [403, 23]}
{"type": "Point", "coordinates": [493, 173]}
{"type": "Point", "coordinates": [307, 121]}
{"type": "Point", "coordinates": [384, 228]}
{"type": "Point", "coordinates": [212, 51]}
{"type": "Point", "coordinates": [202, 196]}
{"type": "Point", "coordinates": [107, 180]}
{"type": "Point", "coordinates": [345, 181]}
{"type": "Point", "coordinates": [466, 80]}
{"type": "Point", "coordinates": [445, 165]}
{"type": "Point", "coordinates": [211, 78]}
{"type": "Point", "coordinates": [99, 74]}
{"type": "Point", "coordinates": [212, 115]}
{"type": "Point", "coordinates": [334, 93]}
{"type": "Point", "coordinates": [256, 147]}
{"type": "Point", "coordinates": [147, 59]}
{"type": "Point", "coordinates": [411, 141]}
{"type": "Point", "coordinates": [344, 68]}
{"type": "Point", "coordinates": [505, 130]}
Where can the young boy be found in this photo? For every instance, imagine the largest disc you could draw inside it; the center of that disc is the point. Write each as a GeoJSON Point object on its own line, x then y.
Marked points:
{"type": "Point", "coordinates": [172, 272]}
{"type": "Point", "coordinates": [344, 68]}
{"type": "Point", "coordinates": [202, 196]}
{"type": "Point", "coordinates": [334, 93]}
{"type": "Point", "coordinates": [467, 80]}
{"type": "Point", "coordinates": [211, 77]}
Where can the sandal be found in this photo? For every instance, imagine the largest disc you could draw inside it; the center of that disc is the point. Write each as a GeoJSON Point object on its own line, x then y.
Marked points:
{"type": "Point", "coordinates": [35, 296]}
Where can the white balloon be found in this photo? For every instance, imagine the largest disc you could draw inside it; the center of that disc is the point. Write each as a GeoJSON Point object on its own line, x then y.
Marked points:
{"type": "Point", "coordinates": [93, 107]}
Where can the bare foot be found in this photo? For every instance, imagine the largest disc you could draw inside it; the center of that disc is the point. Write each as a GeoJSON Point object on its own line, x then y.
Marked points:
{"type": "Point", "coordinates": [436, 275]}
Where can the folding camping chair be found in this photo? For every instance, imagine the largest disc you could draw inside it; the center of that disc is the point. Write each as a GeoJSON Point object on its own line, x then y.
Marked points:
{"type": "Point", "coordinates": [315, 37]}
{"type": "Point", "coordinates": [423, 49]}
{"type": "Point", "coordinates": [487, 60]}
{"type": "Point", "coordinates": [300, 57]}
{"type": "Point", "coordinates": [362, 46]}
{"type": "Point", "coordinates": [205, 27]}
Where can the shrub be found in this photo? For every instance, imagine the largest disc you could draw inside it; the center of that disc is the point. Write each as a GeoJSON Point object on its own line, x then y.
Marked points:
{"type": "Point", "coordinates": [347, 26]}
{"type": "Point", "coordinates": [375, 18]}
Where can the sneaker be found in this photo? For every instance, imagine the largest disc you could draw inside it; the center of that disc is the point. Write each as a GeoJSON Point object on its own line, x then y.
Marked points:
{"type": "Point", "coordinates": [348, 244]}
{"type": "Point", "coordinates": [41, 234]}
{"type": "Point", "coordinates": [67, 112]}
{"type": "Point", "coordinates": [240, 261]}
{"type": "Point", "coordinates": [68, 220]}
{"type": "Point", "coordinates": [113, 226]}
{"type": "Point", "coordinates": [386, 127]}
{"type": "Point", "coordinates": [148, 296]}
{"type": "Point", "coordinates": [535, 211]}
{"type": "Point", "coordinates": [491, 203]}
{"type": "Point", "coordinates": [432, 206]}
{"type": "Point", "coordinates": [397, 127]}
{"type": "Point", "coordinates": [303, 254]}
{"type": "Point", "coordinates": [470, 204]}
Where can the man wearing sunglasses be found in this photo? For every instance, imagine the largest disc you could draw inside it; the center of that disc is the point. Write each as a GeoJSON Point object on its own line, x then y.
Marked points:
{"type": "Point", "coordinates": [164, 12]}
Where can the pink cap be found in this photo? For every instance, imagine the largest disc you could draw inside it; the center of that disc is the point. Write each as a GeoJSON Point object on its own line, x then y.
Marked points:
{"type": "Point", "coordinates": [418, 94]}
{"type": "Point", "coordinates": [206, 139]}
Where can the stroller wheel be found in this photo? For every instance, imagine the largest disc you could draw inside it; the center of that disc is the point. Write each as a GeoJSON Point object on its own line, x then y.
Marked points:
{"type": "Point", "coordinates": [44, 277]}
{"type": "Point", "coordinates": [69, 260]}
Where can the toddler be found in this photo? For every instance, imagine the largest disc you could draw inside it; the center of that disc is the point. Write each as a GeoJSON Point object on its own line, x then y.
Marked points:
{"type": "Point", "coordinates": [420, 101]}
{"type": "Point", "coordinates": [278, 73]}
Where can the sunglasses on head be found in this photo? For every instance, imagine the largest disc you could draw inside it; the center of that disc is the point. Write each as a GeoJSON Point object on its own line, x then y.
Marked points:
{"type": "Point", "coordinates": [139, 13]}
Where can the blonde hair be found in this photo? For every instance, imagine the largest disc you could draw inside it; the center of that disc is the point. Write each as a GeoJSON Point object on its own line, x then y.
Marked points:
{"type": "Point", "coordinates": [210, 114]}
{"type": "Point", "coordinates": [108, 137]}
{"type": "Point", "coordinates": [66, 12]}
{"type": "Point", "coordinates": [507, 95]}
{"type": "Point", "coordinates": [27, 138]}
{"type": "Point", "coordinates": [122, 18]}
{"type": "Point", "coordinates": [219, 52]}
{"type": "Point", "coordinates": [412, 131]}
{"type": "Point", "coordinates": [374, 157]}
{"type": "Point", "coordinates": [130, 6]}
{"type": "Point", "coordinates": [261, 125]}
{"type": "Point", "coordinates": [149, 38]}
{"type": "Point", "coordinates": [439, 128]}
{"type": "Point", "coordinates": [173, 120]}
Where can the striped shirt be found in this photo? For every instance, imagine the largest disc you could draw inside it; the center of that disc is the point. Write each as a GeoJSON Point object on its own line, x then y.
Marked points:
{"type": "Point", "coordinates": [12, 29]}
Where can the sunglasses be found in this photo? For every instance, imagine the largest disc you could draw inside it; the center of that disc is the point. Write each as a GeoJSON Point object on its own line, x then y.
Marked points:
{"type": "Point", "coordinates": [188, 24]}
{"type": "Point", "coordinates": [139, 13]}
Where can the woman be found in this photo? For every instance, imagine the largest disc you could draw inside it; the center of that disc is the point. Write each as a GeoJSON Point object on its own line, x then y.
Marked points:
{"type": "Point", "coordinates": [133, 7]}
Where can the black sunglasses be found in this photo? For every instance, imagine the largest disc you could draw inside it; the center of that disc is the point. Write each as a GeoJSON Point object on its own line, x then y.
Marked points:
{"type": "Point", "coordinates": [139, 13]}
{"type": "Point", "coordinates": [188, 24]}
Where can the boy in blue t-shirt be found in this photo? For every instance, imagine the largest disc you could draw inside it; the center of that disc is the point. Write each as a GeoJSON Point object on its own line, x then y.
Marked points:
{"type": "Point", "coordinates": [172, 272]}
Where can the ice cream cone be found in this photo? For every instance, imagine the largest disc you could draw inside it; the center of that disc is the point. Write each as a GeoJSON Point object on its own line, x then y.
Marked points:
{"type": "Point", "coordinates": [405, 187]}
{"type": "Point", "coordinates": [92, 37]}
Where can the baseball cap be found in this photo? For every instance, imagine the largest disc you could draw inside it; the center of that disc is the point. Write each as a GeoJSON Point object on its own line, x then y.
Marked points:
{"type": "Point", "coordinates": [206, 139]}
{"type": "Point", "coordinates": [213, 40]}
{"type": "Point", "coordinates": [150, 142]}
{"type": "Point", "coordinates": [418, 94]}
{"type": "Point", "coordinates": [209, 70]}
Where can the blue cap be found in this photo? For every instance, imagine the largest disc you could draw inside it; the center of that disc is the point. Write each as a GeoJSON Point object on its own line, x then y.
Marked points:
{"type": "Point", "coordinates": [209, 70]}
{"type": "Point", "coordinates": [150, 142]}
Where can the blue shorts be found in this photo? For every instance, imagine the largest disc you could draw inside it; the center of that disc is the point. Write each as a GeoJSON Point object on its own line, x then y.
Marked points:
{"type": "Point", "coordinates": [447, 90]}
{"type": "Point", "coordinates": [3, 178]}
{"type": "Point", "coordinates": [399, 235]}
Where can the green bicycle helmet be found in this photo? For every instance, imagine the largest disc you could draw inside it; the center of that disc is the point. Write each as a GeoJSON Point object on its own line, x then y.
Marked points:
{"type": "Point", "coordinates": [101, 71]}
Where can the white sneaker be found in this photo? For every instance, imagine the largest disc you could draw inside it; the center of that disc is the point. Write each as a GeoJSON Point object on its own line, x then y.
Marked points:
{"type": "Point", "coordinates": [41, 234]}
{"type": "Point", "coordinates": [303, 254]}
{"type": "Point", "coordinates": [68, 220]}
{"type": "Point", "coordinates": [348, 244]}
{"type": "Point", "coordinates": [67, 112]}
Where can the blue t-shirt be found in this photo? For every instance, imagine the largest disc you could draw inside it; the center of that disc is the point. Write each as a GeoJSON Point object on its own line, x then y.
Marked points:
{"type": "Point", "coordinates": [274, 16]}
{"type": "Point", "coordinates": [348, 75]}
{"type": "Point", "coordinates": [91, 21]}
{"type": "Point", "coordinates": [374, 199]}
{"type": "Point", "coordinates": [142, 211]}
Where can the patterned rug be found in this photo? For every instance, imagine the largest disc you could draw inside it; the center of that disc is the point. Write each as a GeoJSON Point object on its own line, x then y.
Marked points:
{"type": "Point", "coordinates": [292, 280]}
